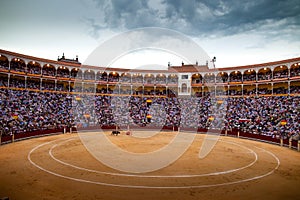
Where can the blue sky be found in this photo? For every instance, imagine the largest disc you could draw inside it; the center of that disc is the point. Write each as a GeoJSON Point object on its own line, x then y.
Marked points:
{"type": "Point", "coordinates": [236, 32]}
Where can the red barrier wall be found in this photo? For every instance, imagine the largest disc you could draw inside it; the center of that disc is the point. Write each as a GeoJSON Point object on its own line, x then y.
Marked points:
{"type": "Point", "coordinates": [232, 133]}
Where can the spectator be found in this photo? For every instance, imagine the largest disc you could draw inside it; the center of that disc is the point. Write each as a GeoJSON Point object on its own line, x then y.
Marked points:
{"type": "Point", "coordinates": [24, 111]}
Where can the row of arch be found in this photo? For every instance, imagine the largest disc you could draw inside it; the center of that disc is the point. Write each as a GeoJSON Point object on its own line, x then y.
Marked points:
{"type": "Point", "coordinates": [23, 82]}
{"type": "Point", "coordinates": [35, 68]}
{"type": "Point", "coordinates": [18, 65]}
{"type": "Point", "coordinates": [41, 84]}
{"type": "Point", "coordinates": [265, 73]}
{"type": "Point", "coordinates": [282, 88]}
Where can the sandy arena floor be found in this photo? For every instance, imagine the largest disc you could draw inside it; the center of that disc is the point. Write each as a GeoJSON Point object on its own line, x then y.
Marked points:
{"type": "Point", "coordinates": [60, 167]}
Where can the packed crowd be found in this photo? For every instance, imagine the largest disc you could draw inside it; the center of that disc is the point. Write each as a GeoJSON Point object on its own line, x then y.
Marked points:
{"type": "Point", "coordinates": [24, 111]}
{"type": "Point", "coordinates": [265, 115]}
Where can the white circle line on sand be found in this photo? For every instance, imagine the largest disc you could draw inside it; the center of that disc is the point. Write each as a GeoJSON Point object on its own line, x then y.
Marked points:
{"type": "Point", "coordinates": [152, 187]}
{"type": "Point", "coordinates": [155, 176]}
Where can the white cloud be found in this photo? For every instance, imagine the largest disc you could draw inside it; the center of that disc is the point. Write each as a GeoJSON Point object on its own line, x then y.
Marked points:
{"type": "Point", "coordinates": [235, 34]}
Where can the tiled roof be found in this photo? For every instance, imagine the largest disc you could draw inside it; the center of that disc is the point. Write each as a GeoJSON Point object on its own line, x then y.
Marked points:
{"type": "Point", "coordinates": [281, 62]}
{"type": "Point", "coordinates": [18, 55]}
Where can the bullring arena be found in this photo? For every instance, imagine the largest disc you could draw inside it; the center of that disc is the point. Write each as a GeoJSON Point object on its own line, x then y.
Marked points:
{"type": "Point", "coordinates": [59, 167]}
{"type": "Point", "coordinates": [247, 118]}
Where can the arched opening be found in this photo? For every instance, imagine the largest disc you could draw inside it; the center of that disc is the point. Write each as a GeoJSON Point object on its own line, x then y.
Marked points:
{"type": "Point", "coordinates": [125, 78]}
{"type": "Point", "coordinates": [222, 77]}
{"type": "Point", "coordinates": [235, 76]}
{"type": "Point", "coordinates": [63, 72]}
{"type": "Point", "coordinates": [76, 73]}
{"type": "Point", "coordinates": [172, 79]}
{"type": "Point", "coordinates": [48, 70]}
{"type": "Point", "coordinates": [113, 77]}
{"type": "Point", "coordinates": [160, 79]}
{"type": "Point", "coordinates": [79, 74]}
{"type": "Point", "coordinates": [89, 75]}
{"type": "Point", "coordinates": [264, 74]}
{"type": "Point", "coordinates": [249, 75]}
{"type": "Point", "coordinates": [196, 79]}
{"type": "Point", "coordinates": [34, 68]}
{"type": "Point", "coordinates": [4, 63]}
{"type": "Point", "coordinates": [280, 72]}
{"type": "Point", "coordinates": [137, 78]}
{"type": "Point", "coordinates": [149, 79]}
{"type": "Point", "coordinates": [295, 70]}
{"type": "Point", "coordinates": [18, 65]}
{"type": "Point", "coordinates": [102, 76]}
{"type": "Point", "coordinates": [209, 78]}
